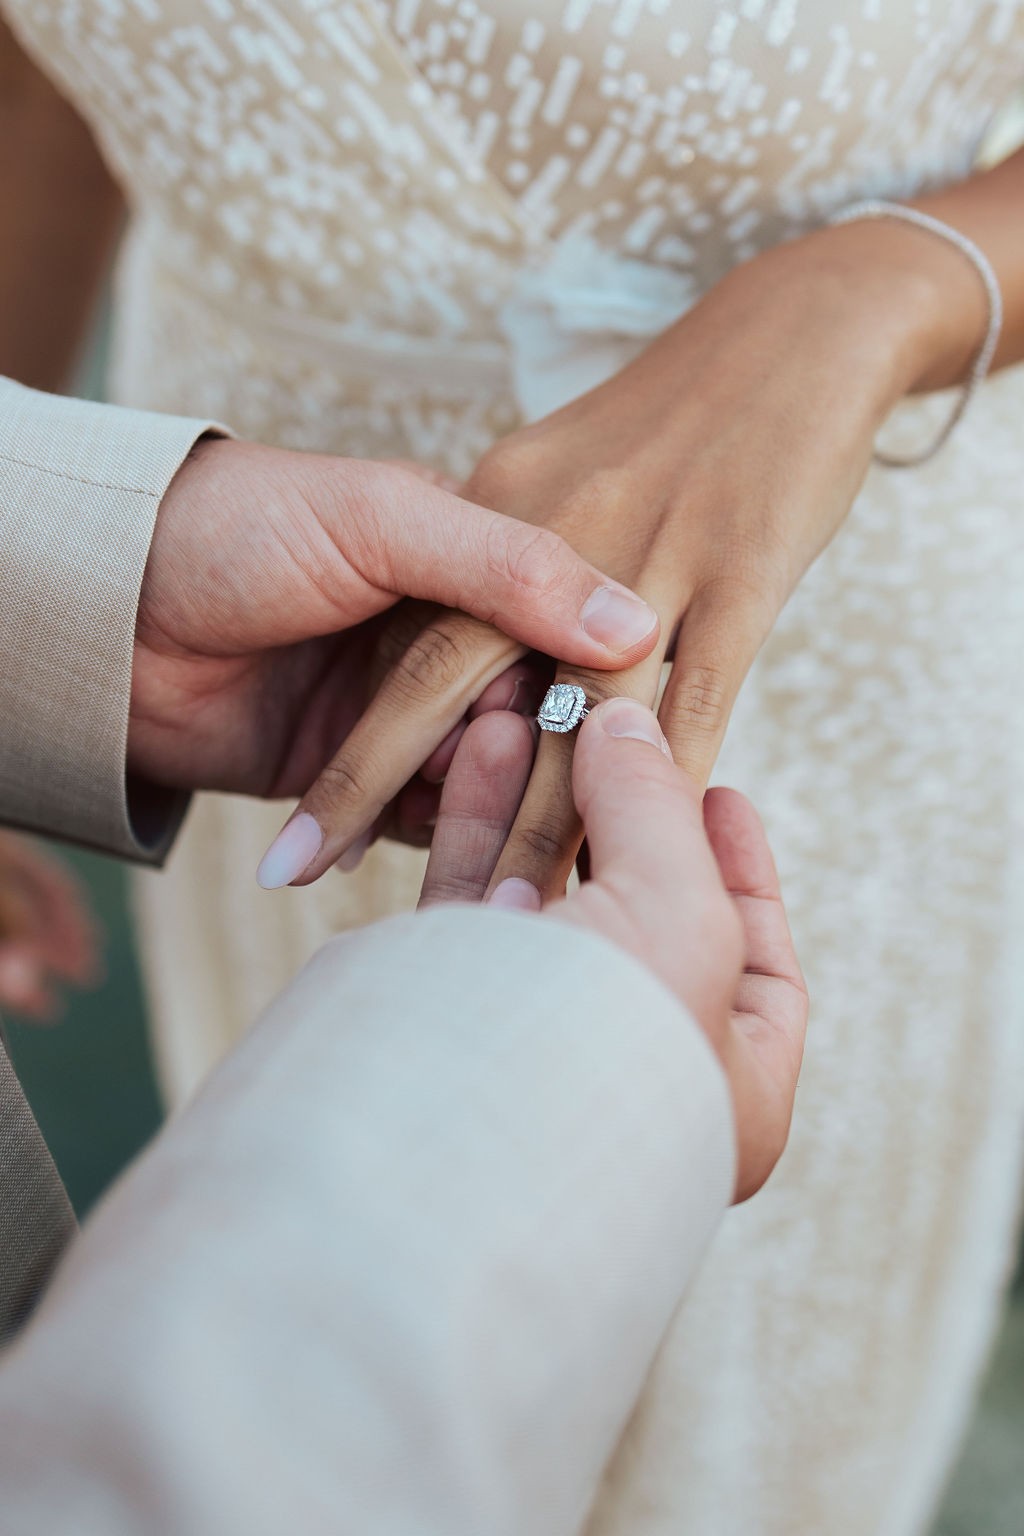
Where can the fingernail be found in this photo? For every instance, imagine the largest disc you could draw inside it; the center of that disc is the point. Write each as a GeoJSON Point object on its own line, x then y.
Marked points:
{"type": "Point", "coordinates": [293, 850]}
{"type": "Point", "coordinates": [617, 619]}
{"type": "Point", "coordinates": [628, 718]}
{"type": "Point", "coordinates": [354, 853]}
{"type": "Point", "coordinates": [515, 895]}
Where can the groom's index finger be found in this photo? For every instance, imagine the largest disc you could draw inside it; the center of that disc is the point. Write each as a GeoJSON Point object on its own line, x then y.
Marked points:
{"type": "Point", "coordinates": [481, 796]}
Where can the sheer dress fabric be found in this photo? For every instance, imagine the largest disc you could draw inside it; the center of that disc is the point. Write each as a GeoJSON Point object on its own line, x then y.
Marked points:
{"type": "Point", "coordinates": [376, 229]}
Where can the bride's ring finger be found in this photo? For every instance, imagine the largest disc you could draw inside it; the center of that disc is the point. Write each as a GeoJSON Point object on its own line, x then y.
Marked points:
{"type": "Point", "coordinates": [546, 835]}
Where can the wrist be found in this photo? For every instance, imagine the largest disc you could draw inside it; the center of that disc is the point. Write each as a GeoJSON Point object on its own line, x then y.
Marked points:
{"type": "Point", "coordinates": [912, 299]}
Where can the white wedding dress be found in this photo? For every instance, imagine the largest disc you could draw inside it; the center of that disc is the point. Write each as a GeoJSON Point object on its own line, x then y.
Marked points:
{"type": "Point", "coordinates": [394, 228]}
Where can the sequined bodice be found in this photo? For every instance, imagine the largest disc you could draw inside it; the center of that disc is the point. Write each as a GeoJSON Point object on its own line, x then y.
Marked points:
{"type": "Point", "coordinates": [395, 161]}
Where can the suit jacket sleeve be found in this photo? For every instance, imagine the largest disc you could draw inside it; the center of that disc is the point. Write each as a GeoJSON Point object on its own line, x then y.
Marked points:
{"type": "Point", "coordinates": [80, 485]}
{"type": "Point", "coordinates": [403, 1266]}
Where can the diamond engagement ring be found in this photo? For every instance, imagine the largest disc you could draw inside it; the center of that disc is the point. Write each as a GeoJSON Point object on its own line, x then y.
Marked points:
{"type": "Point", "coordinates": [564, 707]}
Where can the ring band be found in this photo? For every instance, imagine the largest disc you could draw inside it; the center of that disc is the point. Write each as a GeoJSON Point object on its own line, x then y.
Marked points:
{"type": "Point", "coordinates": [564, 708]}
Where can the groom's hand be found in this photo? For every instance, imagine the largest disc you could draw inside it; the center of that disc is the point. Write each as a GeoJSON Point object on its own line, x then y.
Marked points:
{"type": "Point", "coordinates": [260, 614]}
{"type": "Point", "coordinates": [690, 891]}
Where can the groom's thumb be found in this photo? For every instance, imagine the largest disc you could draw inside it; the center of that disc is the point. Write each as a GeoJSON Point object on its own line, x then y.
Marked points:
{"type": "Point", "coordinates": [526, 580]}
{"type": "Point", "coordinates": [650, 854]}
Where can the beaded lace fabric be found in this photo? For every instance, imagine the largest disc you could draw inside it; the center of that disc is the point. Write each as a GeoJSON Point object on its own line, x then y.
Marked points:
{"type": "Point", "coordinates": [347, 219]}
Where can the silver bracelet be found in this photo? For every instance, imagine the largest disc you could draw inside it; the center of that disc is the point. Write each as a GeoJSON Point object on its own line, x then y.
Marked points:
{"type": "Point", "coordinates": [876, 209]}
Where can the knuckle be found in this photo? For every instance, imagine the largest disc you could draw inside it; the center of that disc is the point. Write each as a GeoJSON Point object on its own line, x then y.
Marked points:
{"type": "Point", "coordinates": [498, 478]}
{"type": "Point", "coordinates": [747, 599]}
{"type": "Point", "coordinates": [340, 781]}
{"type": "Point", "coordinates": [733, 585]}
{"type": "Point", "coordinates": [432, 662]}
{"type": "Point", "coordinates": [603, 493]}
{"type": "Point", "coordinates": [407, 621]}
{"type": "Point", "coordinates": [700, 699]}
{"type": "Point", "coordinates": [532, 560]}
{"type": "Point", "coordinates": [543, 842]}
{"type": "Point", "coordinates": [353, 493]}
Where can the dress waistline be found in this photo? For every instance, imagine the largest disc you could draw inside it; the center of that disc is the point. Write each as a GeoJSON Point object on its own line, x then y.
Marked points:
{"type": "Point", "coordinates": [377, 352]}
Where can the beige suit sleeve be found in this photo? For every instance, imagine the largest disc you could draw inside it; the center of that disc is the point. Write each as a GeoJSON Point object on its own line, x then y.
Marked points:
{"type": "Point", "coordinates": [80, 485]}
{"type": "Point", "coordinates": [402, 1267]}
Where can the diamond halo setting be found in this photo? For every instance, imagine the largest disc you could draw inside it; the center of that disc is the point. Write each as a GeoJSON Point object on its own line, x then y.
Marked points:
{"type": "Point", "coordinates": [564, 706]}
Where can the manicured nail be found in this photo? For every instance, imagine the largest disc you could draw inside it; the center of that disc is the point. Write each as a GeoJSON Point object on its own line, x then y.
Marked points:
{"type": "Point", "coordinates": [626, 717]}
{"type": "Point", "coordinates": [515, 895]}
{"type": "Point", "coordinates": [355, 852]}
{"type": "Point", "coordinates": [293, 850]}
{"type": "Point", "coordinates": [617, 619]}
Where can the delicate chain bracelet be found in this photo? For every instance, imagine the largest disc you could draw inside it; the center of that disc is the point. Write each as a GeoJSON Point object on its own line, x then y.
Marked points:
{"type": "Point", "coordinates": [876, 209]}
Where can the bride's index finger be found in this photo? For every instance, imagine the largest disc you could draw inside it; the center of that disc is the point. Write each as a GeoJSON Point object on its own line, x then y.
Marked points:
{"type": "Point", "coordinates": [424, 695]}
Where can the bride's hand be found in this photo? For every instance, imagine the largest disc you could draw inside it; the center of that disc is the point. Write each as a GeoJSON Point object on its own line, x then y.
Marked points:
{"type": "Point", "coordinates": [708, 475]}
{"type": "Point", "coordinates": [261, 608]}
